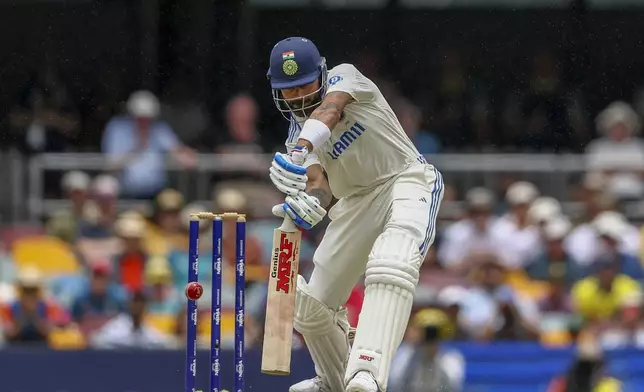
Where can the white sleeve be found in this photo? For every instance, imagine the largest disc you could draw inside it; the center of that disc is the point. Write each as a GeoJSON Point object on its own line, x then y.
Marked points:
{"type": "Point", "coordinates": [347, 78]}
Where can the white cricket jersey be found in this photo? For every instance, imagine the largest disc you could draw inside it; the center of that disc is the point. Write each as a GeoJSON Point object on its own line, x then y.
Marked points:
{"type": "Point", "coordinates": [368, 146]}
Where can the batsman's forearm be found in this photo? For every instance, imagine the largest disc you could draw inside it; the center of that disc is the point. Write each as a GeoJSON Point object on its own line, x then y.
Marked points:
{"type": "Point", "coordinates": [324, 196]}
{"type": "Point", "coordinates": [318, 186]}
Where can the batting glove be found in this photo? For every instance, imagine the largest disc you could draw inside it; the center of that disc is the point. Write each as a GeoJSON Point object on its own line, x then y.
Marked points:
{"type": "Point", "coordinates": [304, 210]}
{"type": "Point", "coordinates": [287, 172]}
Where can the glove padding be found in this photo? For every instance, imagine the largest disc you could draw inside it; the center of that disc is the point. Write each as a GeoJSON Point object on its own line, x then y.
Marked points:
{"type": "Point", "coordinates": [304, 210]}
{"type": "Point", "coordinates": [287, 172]}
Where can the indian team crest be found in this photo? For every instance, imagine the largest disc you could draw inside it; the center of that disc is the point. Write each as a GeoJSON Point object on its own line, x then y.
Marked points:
{"type": "Point", "coordinates": [290, 67]}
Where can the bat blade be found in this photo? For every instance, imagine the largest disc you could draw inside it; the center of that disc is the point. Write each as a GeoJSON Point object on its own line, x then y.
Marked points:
{"type": "Point", "coordinates": [280, 302]}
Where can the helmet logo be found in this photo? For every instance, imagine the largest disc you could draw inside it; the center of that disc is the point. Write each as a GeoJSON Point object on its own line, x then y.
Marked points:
{"type": "Point", "coordinates": [290, 67]}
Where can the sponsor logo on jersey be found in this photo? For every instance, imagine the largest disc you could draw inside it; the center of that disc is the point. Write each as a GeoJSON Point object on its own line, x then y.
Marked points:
{"type": "Point", "coordinates": [346, 140]}
{"type": "Point", "coordinates": [334, 80]}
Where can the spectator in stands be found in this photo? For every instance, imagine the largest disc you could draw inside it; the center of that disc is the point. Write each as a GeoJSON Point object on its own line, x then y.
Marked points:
{"type": "Point", "coordinates": [233, 200]}
{"type": "Point", "coordinates": [100, 298]}
{"type": "Point", "coordinates": [241, 122]}
{"type": "Point", "coordinates": [410, 118]}
{"type": "Point", "coordinates": [179, 331]}
{"type": "Point", "coordinates": [167, 230]}
{"type": "Point", "coordinates": [619, 153]}
{"type": "Point", "coordinates": [611, 227]}
{"type": "Point", "coordinates": [242, 137]}
{"type": "Point", "coordinates": [583, 243]}
{"type": "Point", "coordinates": [421, 364]}
{"type": "Point", "coordinates": [136, 146]}
{"type": "Point", "coordinates": [450, 300]}
{"type": "Point", "coordinates": [553, 262]}
{"type": "Point", "coordinates": [542, 210]}
{"type": "Point", "coordinates": [130, 263]}
{"type": "Point", "coordinates": [30, 319]}
{"type": "Point", "coordinates": [178, 257]}
{"type": "Point", "coordinates": [163, 297]}
{"type": "Point", "coordinates": [592, 193]}
{"type": "Point", "coordinates": [8, 272]}
{"type": "Point", "coordinates": [64, 222]}
{"type": "Point", "coordinates": [587, 373]}
{"type": "Point", "coordinates": [129, 330]}
{"type": "Point", "coordinates": [514, 232]}
{"type": "Point", "coordinates": [98, 222]}
{"type": "Point", "coordinates": [230, 199]}
{"type": "Point", "coordinates": [492, 309]}
{"type": "Point", "coordinates": [555, 267]}
{"type": "Point", "coordinates": [471, 234]}
{"type": "Point", "coordinates": [600, 296]}
{"type": "Point", "coordinates": [45, 119]}
{"type": "Point", "coordinates": [628, 331]}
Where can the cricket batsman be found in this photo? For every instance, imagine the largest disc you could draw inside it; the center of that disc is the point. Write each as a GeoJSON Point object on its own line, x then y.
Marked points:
{"type": "Point", "coordinates": [381, 226]}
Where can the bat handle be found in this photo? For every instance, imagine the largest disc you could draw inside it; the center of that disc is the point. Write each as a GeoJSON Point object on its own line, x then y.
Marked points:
{"type": "Point", "coordinates": [288, 225]}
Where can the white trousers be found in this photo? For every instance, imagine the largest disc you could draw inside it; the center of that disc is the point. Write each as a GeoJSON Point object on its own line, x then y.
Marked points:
{"type": "Point", "coordinates": [408, 202]}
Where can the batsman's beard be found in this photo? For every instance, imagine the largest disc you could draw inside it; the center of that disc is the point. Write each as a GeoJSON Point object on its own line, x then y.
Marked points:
{"type": "Point", "coordinates": [304, 106]}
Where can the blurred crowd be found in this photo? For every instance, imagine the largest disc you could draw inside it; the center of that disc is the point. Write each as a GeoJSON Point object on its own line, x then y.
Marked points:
{"type": "Point", "coordinates": [513, 264]}
{"type": "Point", "coordinates": [97, 276]}
{"type": "Point", "coordinates": [453, 109]}
{"type": "Point", "coordinates": [533, 273]}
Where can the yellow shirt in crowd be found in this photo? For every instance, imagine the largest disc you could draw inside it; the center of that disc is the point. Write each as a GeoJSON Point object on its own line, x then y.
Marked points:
{"type": "Point", "coordinates": [608, 384]}
{"type": "Point", "coordinates": [159, 244]}
{"type": "Point", "coordinates": [595, 303]}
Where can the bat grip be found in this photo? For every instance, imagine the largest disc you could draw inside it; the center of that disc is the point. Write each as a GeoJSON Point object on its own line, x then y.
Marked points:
{"type": "Point", "coordinates": [287, 225]}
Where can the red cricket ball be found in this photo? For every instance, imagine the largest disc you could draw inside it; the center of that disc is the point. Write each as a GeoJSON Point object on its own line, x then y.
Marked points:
{"type": "Point", "coordinates": [194, 290]}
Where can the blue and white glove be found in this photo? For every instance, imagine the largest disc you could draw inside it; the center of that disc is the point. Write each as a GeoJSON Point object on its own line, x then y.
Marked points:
{"type": "Point", "coordinates": [287, 172]}
{"type": "Point", "coordinates": [305, 210]}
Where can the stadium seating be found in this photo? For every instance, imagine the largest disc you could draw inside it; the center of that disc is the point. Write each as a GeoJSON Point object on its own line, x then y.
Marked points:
{"type": "Point", "coordinates": [50, 255]}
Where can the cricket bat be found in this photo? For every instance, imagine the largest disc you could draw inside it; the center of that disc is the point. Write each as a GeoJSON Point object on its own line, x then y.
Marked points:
{"type": "Point", "coordinates": [280, 302]}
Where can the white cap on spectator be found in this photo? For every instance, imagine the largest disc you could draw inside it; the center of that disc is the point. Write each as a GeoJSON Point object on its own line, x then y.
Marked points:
{"type": "Point", "coordinates": [29, 276]}
{"type": "Point", "coordinates": [143, 104]}
{"type": "Point", "coordinates": [618, 112]}
{"type": "Point", "coordinates": [451, 295]}
{"type": "Point", "coordinates": [557, 228]}
{"type": "Point", "coordinates": [105, 185]}
{"type": "Point", "coordinates": [130, 226]}
{"type": "Point", "coordinates": [610, 224]}
{"type": "Point", "coordinates": [230, 199]}
{"type": "Point", "coordinates": [76, 181]}
{"type": "Point", "coordinates": [521, 192]}
{"type": "Point", "coordinates": [479, 197]}
{"type": "Point", "coordinates": [544, 208]}
{"type": "Point", "coordinates": [170, 200]}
